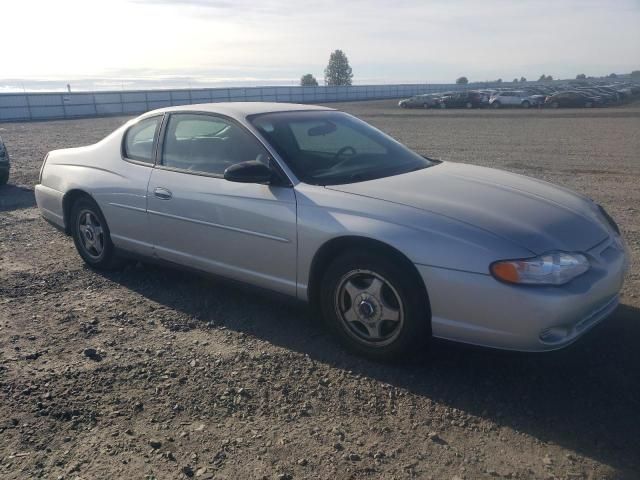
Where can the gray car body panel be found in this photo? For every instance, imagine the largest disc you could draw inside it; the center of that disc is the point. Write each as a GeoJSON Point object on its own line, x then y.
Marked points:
{"type": "Point", "coordinates": [450, 220]}
{"type": "Point", "coordinates": [533, 214]}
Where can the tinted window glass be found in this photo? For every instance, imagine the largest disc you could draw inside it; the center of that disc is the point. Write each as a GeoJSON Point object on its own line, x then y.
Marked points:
{"type": "Point", "coordinates": [309, 140]}
{"type": "Point", "coordinates": [138, 144]}
{"type": "Point", "coordinates": [208, 144]}
{"type": "Point", "coordinates": [328, 148]}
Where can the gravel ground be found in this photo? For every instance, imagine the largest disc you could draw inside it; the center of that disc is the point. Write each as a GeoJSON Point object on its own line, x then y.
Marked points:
{"type": "Point", "coordinates": [154, 373]}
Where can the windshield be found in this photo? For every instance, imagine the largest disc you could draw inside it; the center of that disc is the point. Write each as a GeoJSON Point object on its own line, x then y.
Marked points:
{"type": "Point", "coordinates": [331, 148]}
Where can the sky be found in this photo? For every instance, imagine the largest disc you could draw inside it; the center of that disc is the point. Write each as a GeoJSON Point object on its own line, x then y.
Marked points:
{"type": "Point", "coordinates": [118, 44]}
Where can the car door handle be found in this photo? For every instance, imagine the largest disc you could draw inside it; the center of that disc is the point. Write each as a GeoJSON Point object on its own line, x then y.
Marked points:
{"type": "Point", "coordinates": [162, 193]}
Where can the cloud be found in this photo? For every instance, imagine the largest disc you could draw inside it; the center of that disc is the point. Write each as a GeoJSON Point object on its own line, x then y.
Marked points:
{"type": "Point", "coordinates": [399, 41]}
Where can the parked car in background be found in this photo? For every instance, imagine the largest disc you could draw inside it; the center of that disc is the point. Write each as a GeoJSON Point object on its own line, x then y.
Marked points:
{"type": "Point", "coordinates": [5, 164]}
{"type": "Point", "coordinates": [515, 98]}
{"type": "Point", "coordinates": [572, 98]}
{"type": "Point", "coordinates": [428, 100]}
{"type": "Point", "coordinates": [563, 94]}
{"type": "Point", "coordinates": [485, 96]}
{"type": "Point", "coordinates": [392, 247]}
{"type": "Point", "coordinates": [469, 99]}
{"type": "Point", "coordinates": [627, 91]}
{"type": "Point", "coordinates": [534, 90]}
{"type": "Point", "coordinates": [610, 91]}
{"type": "Point", "coordinates": [606, 97]}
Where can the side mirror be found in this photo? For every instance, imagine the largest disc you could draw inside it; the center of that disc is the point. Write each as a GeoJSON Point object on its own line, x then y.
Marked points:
{"type": "Point", "coordinates": [252, 171]}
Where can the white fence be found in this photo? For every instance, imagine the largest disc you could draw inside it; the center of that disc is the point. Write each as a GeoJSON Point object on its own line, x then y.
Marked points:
{"type": "Point", "coordinates": [49, 106]}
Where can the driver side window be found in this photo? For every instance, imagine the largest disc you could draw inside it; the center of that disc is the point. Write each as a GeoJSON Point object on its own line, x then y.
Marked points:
{"type": "Point", "coordinates": [320, 137]}
{"type": "Point", "coordinates": [207, 144]}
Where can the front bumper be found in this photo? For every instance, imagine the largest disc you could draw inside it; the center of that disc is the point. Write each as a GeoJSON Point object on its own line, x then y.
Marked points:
{"type": "Point", "coordinates": [477, 309]}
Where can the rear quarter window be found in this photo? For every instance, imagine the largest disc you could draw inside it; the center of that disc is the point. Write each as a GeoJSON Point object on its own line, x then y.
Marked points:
{"type": "Point", "coordinates": [140, 139]}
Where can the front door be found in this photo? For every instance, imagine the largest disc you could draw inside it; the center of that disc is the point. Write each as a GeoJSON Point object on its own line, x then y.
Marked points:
{"type": "Point", "coordinates": [242, 231]}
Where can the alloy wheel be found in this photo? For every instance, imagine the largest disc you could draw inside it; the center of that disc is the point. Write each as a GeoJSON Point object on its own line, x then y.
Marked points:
{"type": "Point", "coordinates": [369, 308]}
{"type": "Point", "coordinates": [91, 234]}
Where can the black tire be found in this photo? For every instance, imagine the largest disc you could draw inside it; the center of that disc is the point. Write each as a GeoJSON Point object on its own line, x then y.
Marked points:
{"type": "Point", "coordinates": [106, 258]}
{"type": "Point", "coordinates": [400, 288]}
{"type": "Point", "coordinates": [4, 178]}
{"type": "Point", "coordinates": [526, 104]}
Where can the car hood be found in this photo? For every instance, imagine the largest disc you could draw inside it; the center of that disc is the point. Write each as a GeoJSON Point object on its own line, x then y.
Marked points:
{"type": "Point", "coordinates": [534, 214]}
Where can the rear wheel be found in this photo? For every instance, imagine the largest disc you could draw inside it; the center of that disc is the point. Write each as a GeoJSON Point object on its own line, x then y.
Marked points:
{"type": "Point", "coordinates": [91, 235]}
{"type": "Point", "coordinates": [526, 104]}
{"type": "Point", "coordinates": [374, 306]}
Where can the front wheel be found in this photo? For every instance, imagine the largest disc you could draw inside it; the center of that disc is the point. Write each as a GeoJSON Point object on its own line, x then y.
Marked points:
{"type": "Point", "coordinates": [91, 235]}
{"type": "Point", "coordinates": [375, 307]}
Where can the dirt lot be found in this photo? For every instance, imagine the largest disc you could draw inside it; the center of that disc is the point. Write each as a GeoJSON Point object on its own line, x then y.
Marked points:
{"type": "Point", "coordinates": [193, 377]}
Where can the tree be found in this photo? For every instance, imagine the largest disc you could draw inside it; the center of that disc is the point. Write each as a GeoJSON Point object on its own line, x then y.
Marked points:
{"type": "Point", "coordinates": [515, 80]}
{"type": "Point", "coordinates": [549, 78]}
{"type": "Point", "coordinates": [542, 78]}
{"type": "Point", "coordinates": [635, 74]}
{"type": "Point", "coordinates": [581, 76]}
{"type": "Point", "coordinates": [338, 71]}
{"type": "Point", "coordinates": [308, 80]}
{"type": "Point", "coordinates": [462, 81]}
{"type": "Point", "coordinates": [499, 80]}
{"type": "Point", "coordinates": [522, 79]}
{"type": "Point", "coordinates": [613, 75]}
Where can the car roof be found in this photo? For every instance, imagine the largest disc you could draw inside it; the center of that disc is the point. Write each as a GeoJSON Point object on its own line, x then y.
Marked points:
{"type": "Point", "coordinates": [240, 110]}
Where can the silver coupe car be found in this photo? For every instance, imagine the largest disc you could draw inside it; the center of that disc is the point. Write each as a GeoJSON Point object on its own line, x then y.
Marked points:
{"type": "Point", "coordinates": [391, 247]}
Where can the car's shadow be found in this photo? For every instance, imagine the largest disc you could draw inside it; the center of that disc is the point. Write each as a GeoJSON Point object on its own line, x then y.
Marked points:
{"type": "Point", "coordinates": [13, 197]}
{"type": "Point", "coordinates": [585, 398]}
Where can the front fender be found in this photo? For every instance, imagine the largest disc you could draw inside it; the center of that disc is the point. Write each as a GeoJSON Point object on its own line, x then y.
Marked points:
{"type": "Point", "coordinates": [423, 237]}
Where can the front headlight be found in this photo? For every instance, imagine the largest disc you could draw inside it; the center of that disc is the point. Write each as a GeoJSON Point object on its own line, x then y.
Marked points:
{"type": "Point", "coordinates": [554, 268]}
